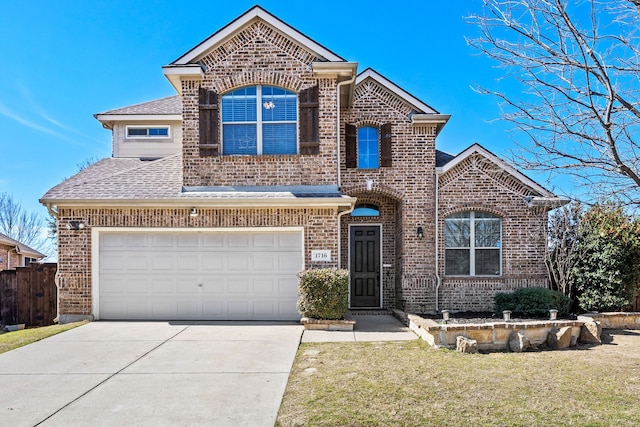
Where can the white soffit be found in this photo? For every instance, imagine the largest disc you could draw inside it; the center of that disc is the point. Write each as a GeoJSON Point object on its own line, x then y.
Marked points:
{"type": "Point", "coordinates": [370, 73]}
{"type": "Point", "coordinates": [477, 148]}
{"type": "Point", "coordinates": [253, 14]}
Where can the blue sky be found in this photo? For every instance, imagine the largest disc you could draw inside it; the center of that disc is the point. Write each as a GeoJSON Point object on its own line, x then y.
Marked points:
{"type": "Point", "coordinates": [66, 60]}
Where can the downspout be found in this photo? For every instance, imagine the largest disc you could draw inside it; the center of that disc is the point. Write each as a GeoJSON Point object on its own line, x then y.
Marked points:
{"type": "Point", "coordinates": [438, 279]}
{"type": "Point", "coordinates": [56, 279]}
{"type": "Point", "coordinates": [340, 84]}
{"type": "Point", "coordinates": [339, 234]}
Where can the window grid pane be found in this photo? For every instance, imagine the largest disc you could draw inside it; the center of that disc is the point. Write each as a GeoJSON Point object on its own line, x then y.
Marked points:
{"type": "Point", "coordinates": [473, 251]}
{"type": "Point", "coordinates": [259, 120]}
{"type": "Point", "coordinates": [368, 152]}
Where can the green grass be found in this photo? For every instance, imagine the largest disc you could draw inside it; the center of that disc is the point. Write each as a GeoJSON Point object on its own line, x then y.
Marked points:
{"type": "Point", "coordinates": [409, 384]}
{"type": "Point", "coordinates": [15, 339]}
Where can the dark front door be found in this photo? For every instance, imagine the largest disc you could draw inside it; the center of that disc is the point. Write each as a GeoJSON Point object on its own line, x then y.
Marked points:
{"type": "Point", "coordinates": [364, 242]}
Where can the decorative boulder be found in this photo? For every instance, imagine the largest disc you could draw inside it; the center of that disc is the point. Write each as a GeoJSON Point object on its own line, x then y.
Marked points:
{"type": "Point", "coordinates": [466, 345]}
{"type": "Point", "coordinates": [559, 338]}
{"type": "Point", "coordinates": [590, 333]}
{"type": "Point", "coordinates": [518, 342]}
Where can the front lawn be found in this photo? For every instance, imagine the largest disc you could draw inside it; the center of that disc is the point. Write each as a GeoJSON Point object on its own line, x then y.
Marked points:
{"type": "Point", "coordinates": [409, 384]}
{"type": "Point", "coordinates": [15, 339]}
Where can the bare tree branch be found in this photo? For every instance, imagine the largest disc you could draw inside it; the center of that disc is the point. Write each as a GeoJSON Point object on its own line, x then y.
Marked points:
{"type": "Point", "coordinates": [18, 224]}
{"type": "Point", "coordinates": [577, 64]}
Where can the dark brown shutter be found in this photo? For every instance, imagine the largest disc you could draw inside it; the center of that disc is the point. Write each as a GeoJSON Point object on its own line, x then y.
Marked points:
{"type": "Point", "coordinates": [351, 142]}
{"type": "Point", "coordinates": [309, 121]}
{"type": "Point", "coordinates": [208, 107]}
{"type": "Point", "coordinates": [385, 145]}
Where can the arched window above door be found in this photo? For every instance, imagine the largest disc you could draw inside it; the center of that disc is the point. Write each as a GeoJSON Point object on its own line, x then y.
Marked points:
{"type": "Point", "coordinates": [366, 209]}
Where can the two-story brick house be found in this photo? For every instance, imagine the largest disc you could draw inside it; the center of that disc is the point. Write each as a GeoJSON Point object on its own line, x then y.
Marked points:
{"type": "Point", "coordinates": [275, 156]}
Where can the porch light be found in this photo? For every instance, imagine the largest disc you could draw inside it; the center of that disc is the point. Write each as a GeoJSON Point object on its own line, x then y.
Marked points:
{"type": "Point", "coordinates": [420, 233]}
{"type": "Point", "coordinates": [445, 315]}
{"type": "Point", "coordinates": [75, 225]}
{"type": "Point", "coordinates": [193, 212]}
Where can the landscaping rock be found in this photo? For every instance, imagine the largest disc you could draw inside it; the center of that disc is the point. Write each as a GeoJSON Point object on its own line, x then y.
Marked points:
{"type": "Point", "coordinates": [590, 333]}
{"type": "Point", "coordinates": [559, 338]}
{"type": "Point", "coordinates": [466, 345]}
{"type": "Point", "coordinates": [518, 342]}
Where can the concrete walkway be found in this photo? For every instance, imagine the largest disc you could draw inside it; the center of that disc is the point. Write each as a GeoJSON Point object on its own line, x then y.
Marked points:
{"type": "Point", "coordinates": [150, 374]}
{"type": "Point", "coordinates": [376, 327]}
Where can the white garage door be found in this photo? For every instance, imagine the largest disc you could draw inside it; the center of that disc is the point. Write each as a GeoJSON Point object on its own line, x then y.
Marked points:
{"type": "Point", "coordinates": [190, 275]}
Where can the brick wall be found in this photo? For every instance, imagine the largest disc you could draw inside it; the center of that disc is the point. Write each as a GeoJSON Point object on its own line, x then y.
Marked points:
{"type": "Point", "coordinates": [74, 257]}
{"type": "Point", "coordinates": [259, 55]}
{"type": "Point", "coordinates": [10, 259]}
{"type": "Point", "coordinates": [477, 184]}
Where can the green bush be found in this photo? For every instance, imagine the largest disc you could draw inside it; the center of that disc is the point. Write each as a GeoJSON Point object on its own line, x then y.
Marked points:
{"type": "Point", "coordinates": [607, 272]}
{"type": "Point", "coordinates": [324, 293]}
{"type": "Point", "coordinates": [533, 302]}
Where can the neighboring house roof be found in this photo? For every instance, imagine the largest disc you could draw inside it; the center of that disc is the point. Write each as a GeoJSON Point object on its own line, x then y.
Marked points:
{"type": "Point", "coordinates": [253, 14]}
{"type": "Point", "coordinates": [542, 196]}
{"type": "Point", "coordinates": [21, 247]}
{"type": "Point", "coordinates": [158, 182]}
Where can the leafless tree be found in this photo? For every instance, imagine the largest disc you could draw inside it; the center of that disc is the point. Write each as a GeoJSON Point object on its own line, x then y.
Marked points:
{"type": "Point", "coordinates": [576, 64]}
{"type": "Point", "coordinates": [563, 249]}
{"type": "Point", "coordinates": [19, 224]}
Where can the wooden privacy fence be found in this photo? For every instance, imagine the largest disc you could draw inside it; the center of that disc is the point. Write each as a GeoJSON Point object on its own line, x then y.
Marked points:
{"type": "Point", "coordinates": [28, 295]}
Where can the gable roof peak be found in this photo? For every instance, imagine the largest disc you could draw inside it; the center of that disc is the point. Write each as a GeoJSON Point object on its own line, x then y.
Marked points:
{"type": "Point", "coordinates": [415, 102]}
{"type": "Point", "coordinates": [250, 16]}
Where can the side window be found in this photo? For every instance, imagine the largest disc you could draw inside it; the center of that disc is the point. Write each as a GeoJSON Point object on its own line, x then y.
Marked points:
{"type": "Point", "coordinates": [473, 244]}
{"type": "Point", "coordinates": [368, 148]}
{"type": "Point", "coordinates": [259, 120]}
{"type": "Point", "coordinates": [147, 132]}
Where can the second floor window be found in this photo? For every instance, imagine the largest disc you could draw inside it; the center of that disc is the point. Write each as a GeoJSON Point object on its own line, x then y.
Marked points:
{"type": "Point", "coordinates": [259, 120]}
{"type": "Point", "coordinates": [368, 152]}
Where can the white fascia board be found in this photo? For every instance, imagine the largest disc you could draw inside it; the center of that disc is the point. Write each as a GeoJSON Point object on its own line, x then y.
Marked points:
{"type": "Point", "coordinates": [395, 89]}
{"type": "Point", "coordinates": [334, 69]}
{"type": "Point", "coordinates": [255, 13]}
{"type": "Point", "coordinates": [200, 202]}
{"type": "Point", "coordinates": [477, 148]}
{"type": "Point", "coordinates": [139, 117]}
{"type": "Point", "coordinates": [430, 119]}
{"type": "Point", "coordinates": [177, 73]}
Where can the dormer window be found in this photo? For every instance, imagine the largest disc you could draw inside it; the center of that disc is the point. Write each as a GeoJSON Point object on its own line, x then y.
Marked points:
{"type": "Point", "coordinates": [147, 132]}
{"type": "Point", "coordinates": [259, 120]}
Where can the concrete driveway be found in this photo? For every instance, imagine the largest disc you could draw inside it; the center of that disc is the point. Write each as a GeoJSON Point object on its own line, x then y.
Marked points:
{"type": "Point", "coordinates": [150, 374]}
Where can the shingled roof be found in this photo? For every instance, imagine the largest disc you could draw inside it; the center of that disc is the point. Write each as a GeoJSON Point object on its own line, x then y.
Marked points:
{"type": "Point", "coordinates": [159, 181]}
{"type": "Point", "coordinates": [168, 105]}
{"type": "Point", "coordinates": [21, 247]}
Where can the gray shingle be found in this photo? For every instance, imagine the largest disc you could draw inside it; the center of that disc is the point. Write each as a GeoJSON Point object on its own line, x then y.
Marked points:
{"type": "Point", "coordinates": [168, 105]}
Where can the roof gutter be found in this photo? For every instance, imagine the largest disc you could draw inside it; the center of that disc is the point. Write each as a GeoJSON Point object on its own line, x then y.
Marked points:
{"type": "Point", "coordinates": [258, 202]}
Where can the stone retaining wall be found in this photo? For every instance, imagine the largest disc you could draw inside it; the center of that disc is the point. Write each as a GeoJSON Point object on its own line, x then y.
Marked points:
{"type": "Point", "coordinates": [614, 320]}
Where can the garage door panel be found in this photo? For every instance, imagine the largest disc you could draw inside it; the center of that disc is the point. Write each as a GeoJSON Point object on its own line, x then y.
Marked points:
{"type": "Point", "coordinates": [199, 275]}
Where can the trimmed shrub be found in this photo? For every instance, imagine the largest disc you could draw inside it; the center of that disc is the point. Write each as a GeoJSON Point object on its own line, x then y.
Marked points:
{"type": "Point", "coordinates": [324, 293]}
{"type": "Point", "coordinates": [533, 302]}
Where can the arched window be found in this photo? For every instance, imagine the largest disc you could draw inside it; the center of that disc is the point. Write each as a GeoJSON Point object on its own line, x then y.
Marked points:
{"type": "Point", "coordinates": [259, 120]}
{"type": "Point", "coordinates": [473, 244]}
{"type": "Point", "coordinates": [366, 209]}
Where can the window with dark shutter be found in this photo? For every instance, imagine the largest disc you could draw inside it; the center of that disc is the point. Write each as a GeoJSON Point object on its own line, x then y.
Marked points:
{"type": "Point", "coordinates": [351, 142]}
{"type": "Point", "coordinates": [385, 145]}
{"type": "Point", "coordinates": [309, 121]}
{"type": "Point", "coordinates": [208, 107]}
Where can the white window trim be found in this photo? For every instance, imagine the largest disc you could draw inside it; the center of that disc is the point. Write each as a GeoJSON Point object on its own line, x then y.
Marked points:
{"type": "Point", "coordinates": [259, 123]}
{"type": "Point", "coordinates": [472, 248]}
{"type": "Point", "coordinates": [127, 127]}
